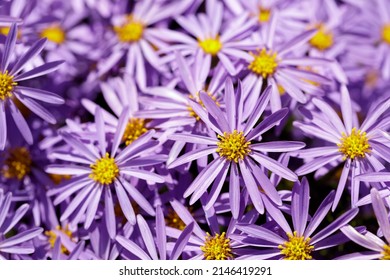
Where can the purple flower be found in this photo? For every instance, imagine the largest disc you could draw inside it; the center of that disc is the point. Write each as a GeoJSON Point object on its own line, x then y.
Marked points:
{"type": "Point", "coordinates": [17, 244]}
{"type": "Point", "coordinates": [234, 146]}
{"type": "Point", "coordinates": [360, 147]}
{"type": "Point", "coordinates": [100, 170]}
{"type": "Point", "coordinates": [10, 77]}
{"type": "Point", "coordinates": [378, 248]}
{"type": "Point", "coordinates": [299, 243]}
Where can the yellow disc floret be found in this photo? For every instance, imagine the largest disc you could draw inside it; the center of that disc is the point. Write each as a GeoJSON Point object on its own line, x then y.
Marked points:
{"type": "Point", "coordinates": [264, 15]}
{"type": "Point", "coordinates": [105, 170]}
{"type": "Point", "coordinates": [211, 45]}
{"type": "Point", "coordinates": [17, 163]}
{"type": "Point", "coordinates": [354, 145]}
{"type": "Point", "coordinates": [173, 220]}
{"type": "Point", "coordinates": [264, 63]}
{"type": "Point", "coordinates": [296, 248]}
{"type": "Point", "coordinates": [233, 146]}
{"type": "Point", "coordinates": [386, 253]}
{"type": "Point", "coordinates": [134, 129]}
{"type": "Point", "coordinates": [196, 98]}
{"type": "Point", "coordinates": [131, 31]}
{"type": "Point", "coordinates": [217, 247]}
{"type": "Point", "coordinates": [54, 34]}
{"type": "Point", "coordinates": [7, 85]}
{"type": "Point", "coordinates": [323, 39]}
{"type": "Point", "coordinates": [53, 237]}
{"type": "Point", "coordinates": [386, 33]}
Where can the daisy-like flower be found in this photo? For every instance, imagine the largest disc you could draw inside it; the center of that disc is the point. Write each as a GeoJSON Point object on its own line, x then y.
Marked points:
{"type": "Point", "coordinates": [155, 244]}
{"type": "Point", "coordinates": [100, 171]}
{"type": "Point", "coordinates": [135, 39]}
{"type": "Point", "coordinates": [277, 65]}
{"type": "Point", "coordinates": [215, 39]}
{"type": "Point", "coordinates": [11, 90]}
{"type": "Point", "coordinates": [301, 242]}
{"type": "Point", "coordinates": [361, 148]}
{"type": "Point", "coordinates": [236, 150]}
{"type": "Point", "coordinates": [378, 248]}
{"type": "Point", "coordinates": [17, 244]}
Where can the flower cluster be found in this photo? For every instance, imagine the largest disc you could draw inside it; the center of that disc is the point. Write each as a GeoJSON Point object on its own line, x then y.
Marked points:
{"type": "Point", "coordinates": [194, 129]}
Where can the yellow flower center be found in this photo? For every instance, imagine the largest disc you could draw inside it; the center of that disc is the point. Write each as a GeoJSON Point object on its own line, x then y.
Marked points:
{"type": "Point", "coordinates": [104, 170]}
{"type": "Point", "coordinates": [386, 33]}
{"type": "Point", "coordinates": [323, 39]}
{"type": "Point", "coordinates": [264, 15]}
{"type": "Point", "coordinates": [134, 129]}
{"type": "Point", "coordinates": [264, 63]}
{"type": "Point", "coordinates": [131, 31]}
{"type": "Point", "coordinates": [54, 34]}
{"type": "Point", "coordinates": [296, 248]}
{"type": "Point", "coordinates": [354, 145]}
{"type": "Point", "coordinates": [7, 85]}
{"type": "Point", "coordinates": [211, 45]}
{"type": "Point", "coordinates": [173, 220]}
{"type": "Point", "coordinates": [233, 146]}
{"type": "Point", "coordinates": [217, 247]}
{"type": "Point", "coordinates": [5, 30]}
{"type": "Point", "coordinates": [386, 252]}
{"type": "Point", "coordinates": [17, 164]}
{"type": "Point", "coordinates": [53, 236]}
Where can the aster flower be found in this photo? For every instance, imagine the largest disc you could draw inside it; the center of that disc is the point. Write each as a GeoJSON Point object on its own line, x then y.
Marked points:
{"type": "Point", "coordinates": [215, 39]}
{"type": "Point", "coordinates": [17, 244]}
{"type": "Point", "coordinates": [235, 151]}
{"type": "Point", "coordinates": [155, 243]}
{"type": "Point", "coordinates": [378, 248]}
{"type": "Point", "coordinates": [276, 64]}
{"type": "Point", "coordinates": [299, 243]}
{"type": "Point", "coordinates": [360, 147]}
{"type": "Point", "coordinates": [135, 39]}
{"type": "Point", "coordinates": [10, 89]}
{"type": "Point", "coordinates": [100, 171]}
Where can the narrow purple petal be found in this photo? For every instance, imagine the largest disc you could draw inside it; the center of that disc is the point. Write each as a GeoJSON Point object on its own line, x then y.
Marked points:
{"type": "Point", "coordinates": [41, 95]}
{"type": "Point", "coordinates": [259, 109]}
{"type": "Point", "coordinates": [161, 235]}
{"type": "Point", "coordinates": [274, 166]}
{"type": "Point", "coordinates": [191, 156]}
{"type": "Point", "coordinates": [251, 186]}
{"type": "Point", "coordinates": [39, 71]}
{"type": "Point", "coordinates": [342, 182]}
{"type": "Point", "coordinates": [100, 130]}
{"type": "Point", "coordinates": [147, 237]}
{"type": "Point", "coordinates": [138, 197]}
{"type": "Point", "coordinates": [346, 108]}
{"type": "Point", "coordinates": [234, 191]}
{"type": "Point", "coordinates": [261, 233]}
{"type": "Point", "coordinates": [132, 247]}
{"type": "Point", "coordinates": [3, 126]}
{"type": "Point", "coordinates": [360, 239]}
{"type": "Point", "coordinates": [124, 203]}
{"type": "Point", "coordinates": [278, 146]}
{"type": "Point", "coordinates": [35, 49]}
{"type": "Point", "coordinates": [9, 47]}
{"type": "Point", "coordinates": [268, 123]}
{"type": "Point", "coordinates": [182, 241]}
{"type": "Point", "coordinates": [21, 237]}
{"type": "Point", "coordinates": [21, 123]}
{"type": "Point", "coordinates": [36, 108]}
{"type": "Point", "coordinates": [381, 213]}
{"type": "Point", "coordinates": [109, 213]}
{"type": "Point", "coordinates": [300, 205]}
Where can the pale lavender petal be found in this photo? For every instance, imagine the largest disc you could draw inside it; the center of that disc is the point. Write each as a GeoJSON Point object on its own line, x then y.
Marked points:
{"type": "Point", "coordinates": [360, 239]}
{"type": "Point", "coordinates": [215, 111]}
{"type": "Point", "coordinates": [234, 190]}
{"type": "Point", "coordinates": [35, 49]}
{"type": "Point", "coordinates": [21, 237]}
{"type": "Point", "coordinates": [335, 225]}
{"type": "Point", "coordinates": [316, 164]}
{"type": "Point", "coordinates": [39, 71]}
{"type": "Point", "coordinates": [261, 233]}
{"type": "Point", "coordinates": [138, 197]}
{"type": "Point", "coordinates": [191, 156]}
{"type": "Point", "coordinates": [147, 237]}
{"type": "Point", "coordinates": [132, 247]}
{"type": "Point", "coordinates": [374, 177]}
{"type": "Point", "coordinates": [41, 95]}
{"type": "Point", "coordinates": [196, 139]}
{"type": "Point", "coordinates": [278, 146]}
{"type": "Point", "coordinates": [361, 256]}
{"type": "Point", "coordinates": [161, 235]}
{"type": "Point", "coordinates": [268, 123]}
{"type": "Point", "coordinates": [199, 110]}
{"type": "Point", "coordinates": [124, 203]}
{"type": "Point", "coordinates": [100, 130]}
{"type": "Point", "coordinates": [300, 205]}
{"type": "Point", "coordinates": [274, 166]}
{"type": "Point", "coordinates": [330, 114]}
{"type": "Point", "coordinates": [62, 169]}
{"type": "Point", "coordinates": [230, 103]}
{"type": "Point", "coordinates": [9, 47]}
{"type": "Point", "coordinates": [381, 213]}
{"type": "Point", "coordinates": [21, 123]}
{"type": "Point", "coordinates": [3, 126]}
{"type": "Point", "coordinates": [320, 214]}
{"type": "Point", "coordinates": [342, 182]}
{"type": "Point", "coordinates": [251, 186]}
{"type": "Point", "coordinates": [215, 189]}
{"type": "Point", "coordinates": [143, 174]}
{"type": "Point", "coordinates": [109, 213]}
{"type": "Point", "coordinates": [182, 241]}
{"type": "Point", "coordinates": [296, 42]}
{"type": "Point", "coordinates": [37, 108]}
{"type": "Point", "coordinates": [259, 109]}
{"type": "Point", "coordinates": [186, 217]}
{"type": "Point", "coordinates": [346, 108]}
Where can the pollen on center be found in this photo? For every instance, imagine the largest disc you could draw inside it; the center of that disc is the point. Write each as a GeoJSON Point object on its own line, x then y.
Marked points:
{"type": "Point", "coordinates": [54, 34]}
{"type": "Point", "coordinates": [322, 39]}
{"type": "Point", "coordinates": [296, 248]}
{"type": "Point", "coordinates": [211, 45]}
{"type": "Point", "coordinates": [131, 31]}
{"type": "Point", "coordinates": [233, 146]}
{"type": "Point", "coordinates": [134, 129]}
{"type": "Point", "coordinates": [264, 63]}
{"type": "Point", "coordinates": [217, 247]}
{"type": "Point", "coordinates": [7, 85]}
{"type": "Point", "coordinates": [17, 163]}
{"type": "Point", "coordinates": [386, 33]}
{"type": "Point", "coordinates": [354, 145]}
{"type": "Point", "coordinates": [105, 170]}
